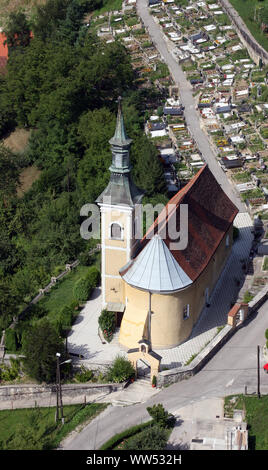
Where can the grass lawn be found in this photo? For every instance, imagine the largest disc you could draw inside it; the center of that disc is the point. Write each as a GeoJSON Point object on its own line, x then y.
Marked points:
{"type": "Point", "coordinates": [109, 5]}
{"type": "Point", "coordinates": [62, 293]}
{"type": "Point", "coordinates": [15, 426]}
{"type": "Point", "coordinates": [246, 9]}
{"type": "Point", "coordinates": [256, 417]}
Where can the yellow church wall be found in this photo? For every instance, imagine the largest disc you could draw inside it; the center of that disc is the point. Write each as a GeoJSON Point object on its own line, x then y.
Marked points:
{"type": "Point", "coordinates": [115, 259]}
{"type": "Point", "coordinates": [168, 327]}
{"type": "Point", "coordinates": [114, 290]}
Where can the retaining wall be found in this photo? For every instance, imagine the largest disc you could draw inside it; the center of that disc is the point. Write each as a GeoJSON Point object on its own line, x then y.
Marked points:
{"type": "Point", "coordinates": [18, 396]}
{"type": "Point", "coordinates": [255, 50]}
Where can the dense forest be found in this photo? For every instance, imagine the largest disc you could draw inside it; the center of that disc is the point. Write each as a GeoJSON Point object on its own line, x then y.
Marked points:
{"type": "Point", "coordinates": [62, 83]}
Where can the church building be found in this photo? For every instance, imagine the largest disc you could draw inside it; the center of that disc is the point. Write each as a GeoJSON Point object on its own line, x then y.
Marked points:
{"type": "Point", "coordinates": [156, 290]}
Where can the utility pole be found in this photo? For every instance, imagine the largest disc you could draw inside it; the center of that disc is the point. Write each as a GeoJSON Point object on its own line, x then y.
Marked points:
{"type": "Point", "coordinates": [57, 386]}
{"type": "Point", "coordinates": [258, 371]}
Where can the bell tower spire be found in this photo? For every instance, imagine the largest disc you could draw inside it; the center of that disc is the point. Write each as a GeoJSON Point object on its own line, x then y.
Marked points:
{"type": "Point", "coordinates": [121, 188]}
{"type": "Point", "coordinates": [120, 145]}
{"type": "Point", "coordinates": [117, 203]}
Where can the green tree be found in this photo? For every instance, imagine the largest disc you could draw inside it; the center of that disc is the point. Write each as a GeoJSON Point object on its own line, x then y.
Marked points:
{"type": "Point", "coordinates": [17, 31]}
{"type": "Point", "coordinates": [9, 171]}
{"type": "Point", "coordinates": [40, 345]}
{"type": "Point", "coordinates": [148, 172]}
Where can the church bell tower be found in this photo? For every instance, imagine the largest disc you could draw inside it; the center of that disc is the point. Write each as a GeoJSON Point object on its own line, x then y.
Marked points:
{"type": "Point", "coordinates": [117, 205]}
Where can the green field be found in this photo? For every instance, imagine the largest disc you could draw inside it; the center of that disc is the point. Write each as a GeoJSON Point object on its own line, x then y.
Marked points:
{"type": "Point", "coordinates": [256, 417]}
{"type": "Point", "coordinates": [246, 9]}
{"type": "Point", "coordinates": [62, 293]}
{"type": "Point", "coordinates": [35, 428]}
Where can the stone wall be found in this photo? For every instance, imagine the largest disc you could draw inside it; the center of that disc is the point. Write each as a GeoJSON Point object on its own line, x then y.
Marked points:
{"type": "Point", "coordinates": [19, 396]}
{"type": "Point", "coordinates": [168, 377]}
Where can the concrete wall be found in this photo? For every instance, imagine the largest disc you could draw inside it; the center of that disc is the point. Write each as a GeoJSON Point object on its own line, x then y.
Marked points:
{"type": "Point", "coordinates": [19, 396]}
{"type": "Point", "coordinates": [255, 50]}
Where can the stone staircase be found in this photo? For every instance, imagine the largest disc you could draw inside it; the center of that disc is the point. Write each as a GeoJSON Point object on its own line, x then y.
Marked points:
{"type": "Point", "coordinates": [137, 392]}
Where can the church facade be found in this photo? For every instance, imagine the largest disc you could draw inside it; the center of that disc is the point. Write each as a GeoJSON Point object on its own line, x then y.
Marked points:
{"type": "Point", "coordinates": [156, 290]}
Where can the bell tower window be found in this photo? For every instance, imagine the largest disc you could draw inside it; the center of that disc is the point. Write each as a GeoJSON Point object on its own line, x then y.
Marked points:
{"type": "Point", "coordinates": [116, 232]}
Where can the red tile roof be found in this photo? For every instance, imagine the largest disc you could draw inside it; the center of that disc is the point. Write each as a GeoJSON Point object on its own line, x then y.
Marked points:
{"type": "Point", "coordinates": [3, 47]}
{"type": "Point", "coordinates": [210, 214]}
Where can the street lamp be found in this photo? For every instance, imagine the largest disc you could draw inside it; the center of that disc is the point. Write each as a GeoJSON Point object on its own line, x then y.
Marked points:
{"type": "Point", "coordinates": [58, 387]}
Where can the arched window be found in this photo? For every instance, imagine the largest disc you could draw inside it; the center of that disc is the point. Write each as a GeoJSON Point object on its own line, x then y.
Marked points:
{"type": "Point", "coordinates": [116, 231]}
{"type": "Point", "coordinates": [143, 348]}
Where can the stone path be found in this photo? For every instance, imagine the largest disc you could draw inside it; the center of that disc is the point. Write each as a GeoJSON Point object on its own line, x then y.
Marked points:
{"type": "Point", "coordinates": [84, 338]}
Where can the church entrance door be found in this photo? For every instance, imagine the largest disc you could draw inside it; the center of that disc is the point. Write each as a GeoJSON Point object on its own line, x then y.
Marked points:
{"type": "Point", "coordinates": [143, 368]}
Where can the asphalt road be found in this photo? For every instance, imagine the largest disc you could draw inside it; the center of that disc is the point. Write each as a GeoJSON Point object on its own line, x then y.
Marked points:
{"type": "Point", "coordinates": [227, 373]}
{"type": "Point", "coordinates": [191, 114]}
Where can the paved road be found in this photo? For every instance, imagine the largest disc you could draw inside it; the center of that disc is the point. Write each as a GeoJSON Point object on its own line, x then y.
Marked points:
{"type": "Point", "coordinates": [227, 373]}
{"type": "Point", "coordinates": [191, 115]}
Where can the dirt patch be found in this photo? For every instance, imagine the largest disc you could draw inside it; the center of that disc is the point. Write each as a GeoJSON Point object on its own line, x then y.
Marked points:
{"type": "Point", "coordinates": [27, 177]}
{"type": "Point", "coordinates": [17, 141]}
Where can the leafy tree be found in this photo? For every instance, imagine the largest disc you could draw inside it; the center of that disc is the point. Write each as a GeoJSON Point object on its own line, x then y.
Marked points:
{"type": "Point", "coordinates": [40, 345]}
{"type": "Point", "coordinates": [148, 171]}
{"type": "Point", "coordinates": [18, 34]}
{"type": "Point", "coordinates": [9, 174]}
{"type": "Point", "coordinates": [49, 17]}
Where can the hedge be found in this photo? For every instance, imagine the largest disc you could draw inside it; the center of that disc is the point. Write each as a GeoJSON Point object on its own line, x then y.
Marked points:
{"type": "Point", "coordinates": [82, 290]}
{"type": "Point", "coordinates": [93, 276]}
{"type": "Point", "coordinates": [115, 440]}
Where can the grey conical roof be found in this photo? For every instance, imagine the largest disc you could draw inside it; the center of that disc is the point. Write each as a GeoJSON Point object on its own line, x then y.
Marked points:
{"type": "Point", "coordinates": [155, 269]}
{"type": "Point", "coordinates": [120, 137]}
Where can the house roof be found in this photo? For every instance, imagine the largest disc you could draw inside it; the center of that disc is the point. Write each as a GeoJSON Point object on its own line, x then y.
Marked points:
{"type": "Point", "coordinates": [3, 47]}
{"type": "Point", "coordinates": [210, 215]}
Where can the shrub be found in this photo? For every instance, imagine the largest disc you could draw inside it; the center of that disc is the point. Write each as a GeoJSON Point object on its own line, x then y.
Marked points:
{"type": "Point", "coordinates": [93, 276]}
{"type": "Point", "coordinates": [118, 438]}
{"type": "Point", "coordinates": [247, 297]}
{"type": "Point", "coordinates": [10, 373]}
{"type": "Point", "coordinates": [11, 342]}
{"type": "Point", "coordinates": [82, 290]}
{"type": "Point", "coordinates": [160, 416]}
{"type": "Point", "coordinates": [107, 324]}
{"type": "Point", "coordinates": [85, 375]}
{"type": "Point", "coordinates": [154, 438]}
{"type": "Point", "coordinates": [121, 370]}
